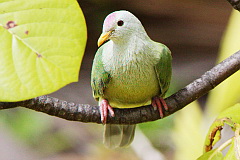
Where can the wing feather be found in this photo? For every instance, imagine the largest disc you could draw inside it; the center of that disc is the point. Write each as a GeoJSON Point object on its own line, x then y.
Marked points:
{"type": "Point", "coordinates": [99, 77]}
{"type": "Point", "coordinates": [164, 69]}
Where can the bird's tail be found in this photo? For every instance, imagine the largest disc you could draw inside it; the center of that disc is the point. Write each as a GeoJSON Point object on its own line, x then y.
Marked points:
{"type": "Point", "coordinates": [118, 135]}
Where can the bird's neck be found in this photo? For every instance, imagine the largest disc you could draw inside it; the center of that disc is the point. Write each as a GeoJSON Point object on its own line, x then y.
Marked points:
{"type": "Point", "coordinates": [117, 55]}
{"type": "Point", "coordinates": [130, 45]}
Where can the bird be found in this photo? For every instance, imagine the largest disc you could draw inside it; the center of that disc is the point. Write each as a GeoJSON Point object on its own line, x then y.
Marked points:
{"type": "Point", "coordinates": [129, 70]}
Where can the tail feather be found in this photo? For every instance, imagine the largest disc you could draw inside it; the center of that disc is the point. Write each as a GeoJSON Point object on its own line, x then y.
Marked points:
{"type": "Point", "coordinates": [118, 135]}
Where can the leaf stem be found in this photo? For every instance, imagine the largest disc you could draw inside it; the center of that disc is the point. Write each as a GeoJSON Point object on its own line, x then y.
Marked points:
{"type": "Point", "coordinates": [225, 144]}
{"type": "Point", "coordinates": [221, 148]}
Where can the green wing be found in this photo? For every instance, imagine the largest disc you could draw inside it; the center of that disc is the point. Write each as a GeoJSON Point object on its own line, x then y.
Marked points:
{"type": "Point", "coordinates": [99, 77]}
{"type": "Point", "coordinates": [164, 69]}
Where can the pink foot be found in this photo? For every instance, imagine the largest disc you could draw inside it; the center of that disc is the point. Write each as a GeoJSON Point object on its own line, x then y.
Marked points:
{"type": "Point", "coordinates": [104, 109]}
{"type": "Point", "coordinates": [159, 103]}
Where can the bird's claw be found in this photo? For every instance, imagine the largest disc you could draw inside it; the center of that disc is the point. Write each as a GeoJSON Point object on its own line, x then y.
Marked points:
{"type": "Point", "coordinates": [159, 103]}
{"type": "Point", "coordinates": [104, 109]}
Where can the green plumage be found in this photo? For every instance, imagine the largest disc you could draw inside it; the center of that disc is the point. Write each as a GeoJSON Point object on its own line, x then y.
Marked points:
{"type": "Point", "coordinates": [128, 72]}
{"type": "Point", "coordinates": [130, 86]}
{"type": "Point", "coordinates": [100, 78]}
{"type": "Point", "coordinates": [118, 135]}
{"type": "Point", "coordinates": [164, 70]}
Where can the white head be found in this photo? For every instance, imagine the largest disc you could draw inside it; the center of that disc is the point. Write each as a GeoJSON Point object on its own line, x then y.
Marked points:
{"type": "Point", "coordinates": [120, 25]}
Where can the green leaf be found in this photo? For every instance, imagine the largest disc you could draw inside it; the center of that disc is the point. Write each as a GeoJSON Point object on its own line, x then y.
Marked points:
{"type": "Point", "coordinates": [231, 155]}
{"type": "Point", "coordinates": [187, 133]}
{"type": "Point", "coordinates": [212, 155]}
{"type": "Point", "coordinates": [227, 93]}
{"type": "Point", "coordinates": [232, 114]}
{"type": "Point", "coordinates": [214, 134]}
{"type": "Point", "coordinates": [41, 48]}
{"type": "Point", "coordinates": [230, 117]}
{"type": "Point", "coordinates": [237, 146]}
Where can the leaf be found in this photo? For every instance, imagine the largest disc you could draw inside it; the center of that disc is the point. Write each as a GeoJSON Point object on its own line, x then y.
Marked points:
{"type": "Point", "coordinates": [230, 117]}
{"type": "Point", "coordinates": [187, 133]}
{"type": "Point", "coordinates": [231, 152]}
{"type": "Point", "coordinates": [41, 48]}
{"type": "Point", "coordinates": [237, 146]}
{"type": "Point", "coordinates": [214, 134]}
{"type": "Point", "coordinates": [212, 155]}
{"type": "Point", "coordinates": [227, 93]}
{"type": "Point", "coordinates": [231, 113]}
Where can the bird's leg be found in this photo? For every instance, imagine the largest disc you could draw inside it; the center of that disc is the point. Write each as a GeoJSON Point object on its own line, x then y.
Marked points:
{"type": "Point", "coordinates": [159, 103]}
{"type": "Point", "coordinates": [104, 109]}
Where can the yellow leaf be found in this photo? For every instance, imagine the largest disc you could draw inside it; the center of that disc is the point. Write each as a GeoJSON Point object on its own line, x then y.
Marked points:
{"type": "Point", "coordinates": [227, 93]}
{"type": "Point", "coordinates": [187, 133]}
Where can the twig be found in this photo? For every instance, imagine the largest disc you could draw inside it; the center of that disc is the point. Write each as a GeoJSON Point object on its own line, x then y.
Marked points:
{"type": "Point", "coordinates": [235, 4]}
{"type": "Point", "coordinates": [88, 113]}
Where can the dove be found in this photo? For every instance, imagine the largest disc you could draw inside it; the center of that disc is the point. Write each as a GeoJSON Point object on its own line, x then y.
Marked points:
{"type": "Point", "coordinates": [129, 70]}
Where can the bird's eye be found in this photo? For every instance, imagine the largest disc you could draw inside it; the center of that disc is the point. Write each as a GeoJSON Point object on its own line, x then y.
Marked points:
{"type": "Point", "coordinates": [120, 23]}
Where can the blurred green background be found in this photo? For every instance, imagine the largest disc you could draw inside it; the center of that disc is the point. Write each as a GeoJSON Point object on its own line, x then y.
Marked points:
{"type": "Point", "coordinates": [193, 30]}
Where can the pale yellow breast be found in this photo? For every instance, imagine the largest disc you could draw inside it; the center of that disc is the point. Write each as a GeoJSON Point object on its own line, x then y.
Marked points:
{"type": "Point", "coordinates": [132, 88]}
{"type": "Point", "coordinates": [133, 79]}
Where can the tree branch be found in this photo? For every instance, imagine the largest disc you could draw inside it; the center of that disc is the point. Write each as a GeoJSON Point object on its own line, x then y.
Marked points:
{"type": "Point", "coordinates": [235, 4]}
{"type": "Point", "coordinates": [87, 113]}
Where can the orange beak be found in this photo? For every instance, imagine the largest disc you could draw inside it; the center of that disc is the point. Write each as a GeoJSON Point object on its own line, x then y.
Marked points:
{"type": "Point", "coordinates": [103, 37]}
